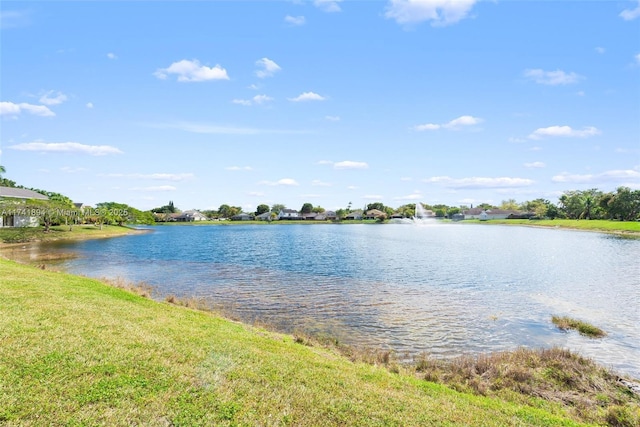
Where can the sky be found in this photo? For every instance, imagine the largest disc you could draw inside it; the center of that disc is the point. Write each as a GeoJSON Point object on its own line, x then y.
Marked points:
{"type": "Point", "coordinates": [332, 103]}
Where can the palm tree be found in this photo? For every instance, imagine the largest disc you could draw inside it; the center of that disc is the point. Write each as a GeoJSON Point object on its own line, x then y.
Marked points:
{"type": "Point", "coordinates": [2, 170]}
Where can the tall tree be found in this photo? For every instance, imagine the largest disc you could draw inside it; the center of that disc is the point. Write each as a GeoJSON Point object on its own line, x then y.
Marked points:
{"type": "Point", "coordinates": [509, 205]}
{"type": "Point", "coordinates": [306, 208]}
{"type": "Point", "coordinates": [377, 205]}
{"type": "Point", "coordinates": [262, 209]}
{"type": "Point", "coordinates": [277, 207]}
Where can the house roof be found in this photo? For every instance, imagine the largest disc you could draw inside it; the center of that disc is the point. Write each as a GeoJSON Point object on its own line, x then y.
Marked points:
{"type": "Point", "coordinates": [502, 212]}
{"type": "Point", "coordinates": [473, 211]}
{"type": "Point", "coordinates": [375, 213]}
{"type": "Point", "coordinates": [289, 211]}
{"type": "Point", "coordinates": [21, 193]}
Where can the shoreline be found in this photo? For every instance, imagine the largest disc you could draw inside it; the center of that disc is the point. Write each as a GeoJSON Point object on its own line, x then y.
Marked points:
{"type": "Point", "coordinates": [247, 364]}
{"type": "Point", "coordinates": [78, 232]}
{"type": "Point", "coordinates": [622, 228]}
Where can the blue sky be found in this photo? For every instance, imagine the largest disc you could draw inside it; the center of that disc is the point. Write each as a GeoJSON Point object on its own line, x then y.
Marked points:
{"type": "Point", "coordinates": [327, 102]}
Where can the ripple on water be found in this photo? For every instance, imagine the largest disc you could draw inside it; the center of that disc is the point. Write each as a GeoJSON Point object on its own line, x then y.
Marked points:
{"type": "Point", "coordinates": [443, 289]}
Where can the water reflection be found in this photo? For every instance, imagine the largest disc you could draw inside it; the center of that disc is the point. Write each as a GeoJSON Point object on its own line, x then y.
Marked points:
{"type": "Point", "coordinates": [444, 290]}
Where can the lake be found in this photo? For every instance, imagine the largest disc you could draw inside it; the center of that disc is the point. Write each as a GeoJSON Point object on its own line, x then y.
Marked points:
{"type": "Point", "coordinates": [444, 289]}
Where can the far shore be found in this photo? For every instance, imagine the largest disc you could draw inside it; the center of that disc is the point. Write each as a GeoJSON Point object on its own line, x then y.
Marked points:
{"type": "Point", "coordinates": [627, 228]}
{"type": "Point", "coordinates": [16, 237]}
{"type": "Point", "coordinates": [624, 228]}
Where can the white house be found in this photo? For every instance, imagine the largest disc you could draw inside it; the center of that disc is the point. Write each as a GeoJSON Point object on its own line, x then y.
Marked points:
{"type": "Point", "coordinates": [289, 214]}
{"type": "Point", "coordinates": [12, 210]}
{"type": "Point", "coordinates": [190, 216]}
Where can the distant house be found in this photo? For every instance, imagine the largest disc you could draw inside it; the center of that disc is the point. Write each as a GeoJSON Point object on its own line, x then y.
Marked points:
{"type": "Point", "coordinates": [311, 216]}
{"type": "Point", "coordinates": [11, 214]}
{"type": "Point", "coordinates": [264, 216]}
{"type": "Point", "coordinates": [189, 216]}
{"type": "Point", "coordinates": [355, 215]}
{"type": "Point", "coordinates": [289, 214]}
{"type": "Point", "coordinates": [484, 215]}
{"type": "Point", "coordinates": [242, 217]}
{"type": "Point", "coordinates": [374, 214]}
{"type": "Point", "coordinates": [330, 215]}
{"type": "Point", "coordinates": [326, 216]}
{"type": "Point", "coordinates": [473, 213]}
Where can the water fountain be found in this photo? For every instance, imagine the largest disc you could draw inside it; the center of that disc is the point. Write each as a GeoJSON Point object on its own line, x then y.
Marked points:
{"type": "Point", "coordinates": [419, 218]}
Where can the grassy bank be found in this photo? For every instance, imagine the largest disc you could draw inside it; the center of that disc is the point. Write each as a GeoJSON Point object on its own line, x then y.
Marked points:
{"type": "Point", "coordinates": [61, 232]}
{"type": "Point", "coordinates": [75, 351]}
{"type": "Point", "coordinates": [621, 227]}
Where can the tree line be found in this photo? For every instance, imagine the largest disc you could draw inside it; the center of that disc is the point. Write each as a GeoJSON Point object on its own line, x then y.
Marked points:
{"type": "Point", "coordinates": [623, 204]}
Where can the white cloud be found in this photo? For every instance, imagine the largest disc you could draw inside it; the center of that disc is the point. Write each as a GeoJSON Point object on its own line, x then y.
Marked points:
{"type": "Point", "coordinates": [332, 118]}
{"type": "Point", "coordinates": [53, 98]}
{"type": "Point", "coordinates": [12, 109]}
{"type": "Point", "coordinates": [552, 78]}
{"type": "Point", "coordinates": [352, 187]}
{"type": "Point", "coordinates": [454, 124]}
{"type": "Point", "coordinates": [534, 165]}
{"type": "Point", "coordinates": [375, 197]}
{"type": "Point", "coordinates": [463, 121]}
{"type": "Point", "coordinates": [308, 96]}
{"type": "Point", "coordinates": [261, 99]}
{"type": "Point", "coordinates": [600, 50]}
{"type": "Point", "coordinates": [239, 168]}
{"type": "Point", "coordinates": [192, 71]}
{"type": "Point", "coordinates": [267, 68]}
{"type": "Point", "coordinates": [516, 140]}
{"type": "Point", "coordinates": [427, 126]}
{"type": "Point", "coordinates": [630, 14]}
{"type": "Point", "coordinates": [564, 131]}
{"type": "Point", "coordinates": [289, 182]}
{"type": "Point", "coordinates": [629, 176]}
{"type": "Point", "coordinates": [69, 169]}
{"type": "Point", "coordinates": [89, 105]}
{"type": "Point", "coordinates": [348, 164]}
{"type": "Point", "coordinates": [318, 183]}
{"type": "Point", "coordinates": [67, 147]}
{"type": "Point", "coordinates": [439, 12]}
{"type": "Point", "coordinates": [245, 102]}
{"type": "Point", "coordinates": [328, 5]}
{"type": "Point", "coordinates": [637, 57]}
{"type": "Point", "coordinates": [155, 176]}
{"type": "Point", "coordinates": [413, 196]}
{"type": "Point", "coordinates": [155, 188]}
{"type": "Point", "coordinates": [14, 18]}
{"type": "Point", "coordinates": [480, 182]}
{"type": "Point", "coordinates": [295, 20]}
{"type": "Point", "coordinates": [258, 99]}
{"type": "Point", "coordinates": [256, 193]}
{"type": "Point", "coordinates": [111, 55]}
{"type": "Point", "coordinates": [406, 178]}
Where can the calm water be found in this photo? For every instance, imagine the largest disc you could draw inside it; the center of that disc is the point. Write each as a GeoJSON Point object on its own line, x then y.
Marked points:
{"type": "Point", "coordinates": [444, 289]}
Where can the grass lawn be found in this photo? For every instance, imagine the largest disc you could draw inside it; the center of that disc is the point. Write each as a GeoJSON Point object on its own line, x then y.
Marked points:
{"type": "Point", "coordinates": [75, 351]}
{"type": "Point", "coordinates": [59, 232]}
{"type": "Point", "coordinates": [591, 225]}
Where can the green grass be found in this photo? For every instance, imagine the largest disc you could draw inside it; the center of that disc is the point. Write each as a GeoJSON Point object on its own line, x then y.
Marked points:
{"type": "Point", "coordinates": [60, 232]}
{"type": "Point", "coordinates": [584, 328]}
{"type": "Point", "coordinates": [75, 351]}
{"type": "Point", "coordinates": [591, 225]}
